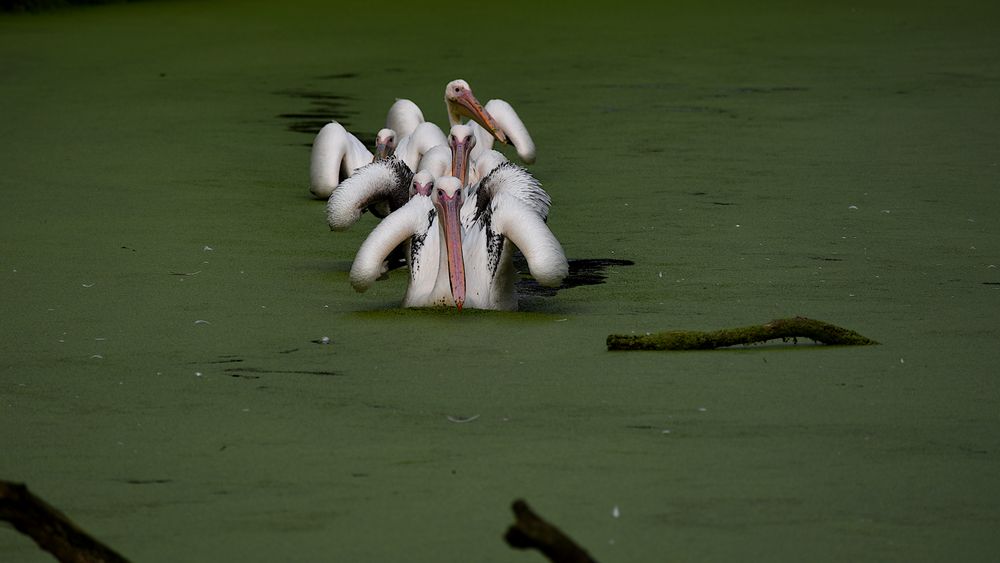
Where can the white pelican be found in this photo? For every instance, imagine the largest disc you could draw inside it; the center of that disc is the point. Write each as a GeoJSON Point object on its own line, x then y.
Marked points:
{"type": "Point", "coordinates": [476, 237]}
{"type": "Point", "coordinates": [497, 120]}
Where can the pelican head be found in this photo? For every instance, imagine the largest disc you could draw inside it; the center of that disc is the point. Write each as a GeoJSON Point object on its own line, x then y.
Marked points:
{"type": "Point", "coordinates": [461, 103]}
{"type": "Point", "coordinates": [422, 184]}
{"type": "Point", "coordinates": [462, 141]}
{"type": "Point", "coordinates": [447, 198]}
{"type": "Point", "coordinates": [385, 144]}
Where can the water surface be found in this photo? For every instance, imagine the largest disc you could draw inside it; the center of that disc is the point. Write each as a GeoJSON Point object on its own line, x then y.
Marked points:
{"type": "Point", "coordinates": [167, 283]}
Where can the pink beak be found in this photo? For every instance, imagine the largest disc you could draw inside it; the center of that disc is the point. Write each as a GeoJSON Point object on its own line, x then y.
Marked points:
{"type": "Point", "coordinates": [450, 209]}
{"type": "Point", "coordinates": [460, 152]}
{"type": "Point", "coordinates": [469, 106]}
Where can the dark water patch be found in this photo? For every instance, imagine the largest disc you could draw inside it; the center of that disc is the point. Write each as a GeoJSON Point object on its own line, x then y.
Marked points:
{"type": "Point", "coordinates": [713, 202]}
{"type": "Point", "coordinates": [289, 351]}
{"type": "Point", "coordinates": [243, 372]}
{"type": "Point", "coordinates": [341, 76]}
{"type": "Point", "coordinates": [991, 283]}
{"type": "Point", "coordinates": [583, 271]}
{"type": "Point", "coordinates": [324, 107]}
{"type": "Point", "coordinates": [826, 259]}
{"type": "Point", "coordinates": [224, 361]}
{"type": "Point", "coordinates": [314, 95]}
{"type": "Point", "coordinates": [244, 376]}
{"type": "Point", "coordinates": [147, 481]}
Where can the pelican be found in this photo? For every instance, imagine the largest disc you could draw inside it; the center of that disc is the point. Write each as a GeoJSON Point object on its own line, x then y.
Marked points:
{"type": "Point", "coordinates": [475, 240]}
{"type": "Point", "coordinates": [497, 120]}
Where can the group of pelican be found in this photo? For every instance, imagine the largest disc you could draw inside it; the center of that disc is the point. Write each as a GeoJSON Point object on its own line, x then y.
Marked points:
{"type": "Point", "coordinates": [451, 204]}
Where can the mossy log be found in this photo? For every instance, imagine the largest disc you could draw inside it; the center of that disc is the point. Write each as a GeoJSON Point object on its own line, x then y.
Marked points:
{"type": "Point", "coordinates": [51, 529]}
{"type": "Point", "coordinates": [785, 329]}
{"type": "Point", "coordinates": [530, 531]}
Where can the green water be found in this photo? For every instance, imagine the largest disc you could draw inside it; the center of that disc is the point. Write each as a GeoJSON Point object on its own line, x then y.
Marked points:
{"type": "Point", "coordinates": [754, 162]}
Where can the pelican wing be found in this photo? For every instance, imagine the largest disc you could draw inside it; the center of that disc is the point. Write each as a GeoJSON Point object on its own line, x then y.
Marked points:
{"type": "Point", "coordinates": [404, 116]}
{"type": "Point", "coordinates": [383, 183]}
{"type": "Point", "coordinates": [529, 233]}
{"type": "Point", "coordinates": [413, 147]}
{"type": "Point", "coordinates": [437, 161]}
{"type": "Point", "coordinates": [510, 179]}
{"type": "Point", "coordinates": [409, 220]}
{"type": "Point", "coordinates": [512, 126]}
{"type": "Point", "coordinates": [335, 155]}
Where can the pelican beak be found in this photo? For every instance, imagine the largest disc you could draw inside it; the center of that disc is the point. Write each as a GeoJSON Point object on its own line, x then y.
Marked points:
{"type": "Point", "coordinates": [467, 105]}
{"type": "Point", "coordinates": [450, 210]}
{"type": "Point", "coordinates": [383, 150]}
{"type": "Point", "coordinates": [460, 152]}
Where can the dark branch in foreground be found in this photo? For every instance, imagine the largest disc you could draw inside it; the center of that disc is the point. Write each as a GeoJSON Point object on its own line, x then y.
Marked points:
{"type": "Point", "coordinates": [797, 327]}
{"type": "Point", "coordinates": [50, 529]}
{"type": "Point", "coordinates": [531, 531]}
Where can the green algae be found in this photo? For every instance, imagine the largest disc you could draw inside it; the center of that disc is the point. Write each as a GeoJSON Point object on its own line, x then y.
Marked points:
{"type": "Point", "coordinates": [753, 161]}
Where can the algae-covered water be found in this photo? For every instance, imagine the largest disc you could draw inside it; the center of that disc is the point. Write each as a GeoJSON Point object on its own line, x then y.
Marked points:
{"type": "Point", "coordinates": [166, 283]}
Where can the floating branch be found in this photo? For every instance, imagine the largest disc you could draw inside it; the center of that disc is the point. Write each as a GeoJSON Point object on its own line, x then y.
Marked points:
{"type": "Point", "coordinates": [797, 327]}
{"type": "Point", "coordinates": [50, 529]}
{"type": "Point", "coordinates": [530, 531]}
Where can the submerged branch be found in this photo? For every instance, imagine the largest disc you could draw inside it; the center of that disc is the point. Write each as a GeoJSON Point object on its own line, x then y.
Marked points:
{"type": "Point", "coordinates": [530, 531]}
{"type": "Point", "coordinates": [51, 529]}
{"type": "Point", "coordinates": [797, 327]}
